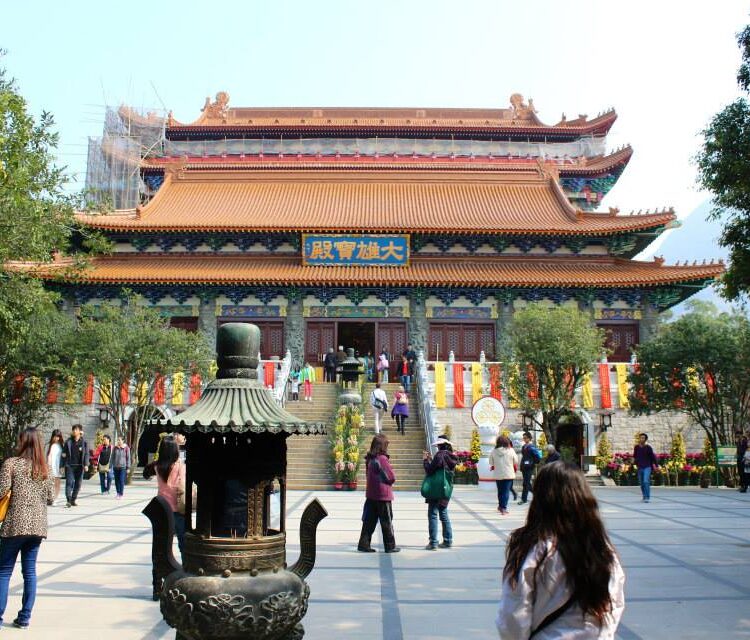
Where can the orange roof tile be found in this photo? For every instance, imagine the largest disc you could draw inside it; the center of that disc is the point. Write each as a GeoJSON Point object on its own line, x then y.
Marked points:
{"type": "Point", "coordinates": [456, 271]}
{"type": "Point", "coordinates": [356, 201]}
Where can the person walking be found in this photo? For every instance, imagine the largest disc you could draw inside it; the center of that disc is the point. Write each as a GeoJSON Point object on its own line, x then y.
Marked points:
{"type": "Point", "coordinates": [378, 497]}
{"type": "Point", "coordinates": [27, 477]}
{"type": "Point", "coordinates": [369, 366]}
{"type": "Point", "coordinates": [170, 477]}
{"type": "Point", "coordinates": [120, 466]}
{"type": "Point", "coordinates": [383, 366]}
{"type": "Point", "coordinates": [741, 440]}
{"type": "Point", "coordinates": [329, 366]}
{"type": "Point", "coordinates": [294, 377]}
{"type": "Point", "coordinates": [400, 411]}
{"type": "Point", "coordinates": [307, 376]}
{"type": "Point", "coordinates": [503, 465]}
{"type": "Point", "coordinates": [411, 358]}
{"type": "Point", "coordinates": [552, 455]}
{"type": "Point", "coordinates": [103, 455]}
{"type": "Point", "coordinates": [54, 458]}
{"type": "Point", "coordinates": [444, 459]}
{"type": "Point", "coordinates": [340, 357]}
{"type": "Point", "coordinates": [379, 403]}
{"type": "Point", "coordinates": [562, 577]}
{"type": "Point", "coordinates": [529, 457]}
{"type": "Point", "coordinates": [75, 459]}
{"type": "Point", "coordinates": [404, 373]}
{"type": "Point", "coordinates": [645, 459]}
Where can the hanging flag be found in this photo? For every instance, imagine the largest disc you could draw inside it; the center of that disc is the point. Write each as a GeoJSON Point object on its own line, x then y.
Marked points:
{"type": "Point", "coordinates": [710, 383]}
{"type": "Point", "coordinates": [269, 370]}
{"type": "Point", "coordinates": [105, 390]}
{"type": "Point", "coordinates": [512, 390]}
{"type": "Point", "coordinates": [496, 384]}
{"type": "Point", "coordinates": [605, 391]}
{"type": "Point", "coordinates": [51, 391]}
{"type": "Point", "coordinates": [195, 388]}
{"type": "Point", "coordinates": [18, 388]}
{"type": "Point", "coordinates": [125, 392]}
{"type": "Point", "coordinates": [178, 387]}
{"type": "Point", "coordinates": [70, 390]}
{"type": "Point", "coordinates": [440, 385]}
{"type": "Point", "coordinates": [212, 369]}
{"type": "Point", "coordinates": [458, 386]}
{"type": "Point", "coordinates": [622, 385]}
{"type": "Point", "coordinates": [587, 392]}
{"type": "Point", "coordinates": [533, 380]}
{"type": "Point", "coordinates": [141, 393]}
{"type": "Point", "coordinates": [160, 394]}
{"type": "Point", "coordinates": [88, 392]}
{"type": "Point", "coordinates": [476, 381]}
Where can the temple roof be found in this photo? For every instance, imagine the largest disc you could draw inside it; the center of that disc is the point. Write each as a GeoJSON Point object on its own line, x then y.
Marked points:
{"type": "Point", "coordinates": [453, 271]}
{"type": "Point", "coordinates": [518, 119]}
{"type": "Point", "coordinates": [467, 202]}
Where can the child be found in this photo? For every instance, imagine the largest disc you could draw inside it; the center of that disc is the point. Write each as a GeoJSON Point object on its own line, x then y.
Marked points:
{"type": "Point", "coordinates": [294, 380]}
{"type": "Point", "coordinates": [307, 375]}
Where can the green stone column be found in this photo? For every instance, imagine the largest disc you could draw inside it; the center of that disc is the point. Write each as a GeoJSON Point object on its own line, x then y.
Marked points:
{"type": "Point", "coordinates": [502, 322]}
{"type": "Point", "coordinates": [418, 324]}
{"type": "Point", "coordinates": [207, 317]}
{"type": "Point", "coordinates": [294, 331]}
{"type": "Point", "coordinates": [649, 323]}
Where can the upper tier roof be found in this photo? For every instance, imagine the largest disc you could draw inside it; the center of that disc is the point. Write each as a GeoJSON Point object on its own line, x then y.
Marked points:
{"type": "Point", "coordinates": [468, 202]}
{"type": "Point", "coordinates": [519, 119]}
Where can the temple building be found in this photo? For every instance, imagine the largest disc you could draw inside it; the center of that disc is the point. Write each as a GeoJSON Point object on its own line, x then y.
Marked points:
{"type": "Point", "coordinates": [372, 228]}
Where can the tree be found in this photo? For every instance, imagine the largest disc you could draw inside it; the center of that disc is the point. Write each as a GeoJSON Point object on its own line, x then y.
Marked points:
{"type": "Point", "coordinates": [724, 170]}
{"type": "Point", "coordinates": [698, 365]}
{"type": "Point", "coordinates": [555, 347]}
{"type": "Point", "coordinates": [131, 343]}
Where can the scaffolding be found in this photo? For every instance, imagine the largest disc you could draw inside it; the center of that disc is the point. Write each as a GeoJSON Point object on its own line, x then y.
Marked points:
{"type": "Point", "coordinates": [113, 177]}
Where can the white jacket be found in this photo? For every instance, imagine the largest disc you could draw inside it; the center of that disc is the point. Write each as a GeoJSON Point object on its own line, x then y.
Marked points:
{"type": "Point", "coordinates": [503, 460]}
{"type": "Point", "coordinates": [522, 609]}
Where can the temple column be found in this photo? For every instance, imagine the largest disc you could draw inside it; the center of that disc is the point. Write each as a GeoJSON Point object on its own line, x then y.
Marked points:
{"type": "Point", "coordinates": [649, 323]}
{"type": "Point", "coordinates": [207, 318]}
{"type": "Point", "coordinates": [418, 325]}
{"type": "Point", "coordinates": [294, 331]}
{"type": "Point", "coordinates": [502, 322]}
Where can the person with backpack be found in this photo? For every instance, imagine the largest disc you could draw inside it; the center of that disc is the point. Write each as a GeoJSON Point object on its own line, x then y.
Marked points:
{"type": "Point", "coordinates": [562, 577]}
{"type": "Point", "coordinates": [530, 456]}
{"type": "Point", "coordinates": [379, 403]}
{"type": "Point", "coordinates": [443, 463]}
{"type": "Point", "coordinates": [103, 455]}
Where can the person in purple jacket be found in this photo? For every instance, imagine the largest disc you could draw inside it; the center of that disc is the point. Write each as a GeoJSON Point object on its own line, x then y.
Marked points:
{"type": "Point", "coordinates": [379, 496]}
{"type": "Point", "coordinates": [645, 459]}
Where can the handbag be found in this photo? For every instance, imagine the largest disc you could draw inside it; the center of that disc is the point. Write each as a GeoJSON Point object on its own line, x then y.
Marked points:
{"type": "Point", "coordinates": [438, 485]}
{"type": "Point", "coordinates": [4, 504]}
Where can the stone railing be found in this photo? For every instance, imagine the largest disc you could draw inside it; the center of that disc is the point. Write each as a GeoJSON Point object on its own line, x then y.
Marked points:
{"type": "Point", "coordinates": [282, 379]}
{"type": "Point", "coordinates": [424, 394]}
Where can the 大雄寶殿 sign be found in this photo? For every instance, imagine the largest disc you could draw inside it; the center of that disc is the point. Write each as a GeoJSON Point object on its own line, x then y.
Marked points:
{"type": "Point", "coordinates": [353, 249]}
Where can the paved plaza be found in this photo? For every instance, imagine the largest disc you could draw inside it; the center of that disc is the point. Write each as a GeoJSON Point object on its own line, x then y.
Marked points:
{"type": "Point", "coordinates": [686, 555]}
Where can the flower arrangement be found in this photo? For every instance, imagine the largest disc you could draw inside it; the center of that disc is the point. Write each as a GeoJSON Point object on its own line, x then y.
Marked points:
{"type": "Point", "coordinates": [346, 439]}
{"type": "Point", "coordinates": [466, 468]}
{"type": "Point", "coordinates": [475, 445]}
{"type": "Point", "coordinates": [684, 469]}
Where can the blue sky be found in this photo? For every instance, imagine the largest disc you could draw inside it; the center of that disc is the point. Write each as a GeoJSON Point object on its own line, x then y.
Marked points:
{"type": "Point", "coordinates": [666, 66]}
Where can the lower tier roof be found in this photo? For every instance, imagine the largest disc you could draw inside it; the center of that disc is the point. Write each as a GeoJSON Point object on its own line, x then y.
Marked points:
{"type": "Point", "coordinates": [475, 271]}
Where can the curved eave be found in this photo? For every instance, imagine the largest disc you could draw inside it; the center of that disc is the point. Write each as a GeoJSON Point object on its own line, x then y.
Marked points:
{"type": "Point", "coordinates": [600, 165]}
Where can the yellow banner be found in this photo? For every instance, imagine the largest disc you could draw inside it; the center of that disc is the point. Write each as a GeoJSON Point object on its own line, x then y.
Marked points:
{"type": "Point", "coordinates": [476, 381]}
{"type": "Point", "coordinates": [513, 402]}
{"type": "Point", "coordinates": [622, 385]}
{"type": "Point", "coordinates": [587, 392]}
{"type": "Point", "coordinates": [141, 393]}
{"type": "Point", "coordinates": [178, 388]}
{"type": "Point", "coordinates": [440, 385]}
{"type": "Point", "coordinates": [70, 390]}
{"type": "Point", "coordinates": [105, 392]}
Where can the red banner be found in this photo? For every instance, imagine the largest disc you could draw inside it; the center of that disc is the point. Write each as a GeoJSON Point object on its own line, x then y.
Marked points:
{"type": "Point", "coordinates": [160, 395]}
{"type": "Point", "coordinates": [710, 384]}
{"type": "Point", "coordinates": [458, 386]}
{"type": "Point", "coordinates": [88, 392]}
{"type": "Point", "coordinates": [18, 388]}
{"type": "Point", "coordinates": [51, 391]}
{"type": "Point", "coordinates": [606, 392]}
{"type": "Point", "coordinates": [268, 374]}
{"type": "Point", "coordinates": [496, 382]}
{"type": "Point", "coordinates": [195, 388]}
{"type": "Point", "coordinates": [533, 381]}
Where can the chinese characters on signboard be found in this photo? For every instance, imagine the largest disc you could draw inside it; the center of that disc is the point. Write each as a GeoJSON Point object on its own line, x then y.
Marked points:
{"type": "Point", "coordinates": [370, 250]}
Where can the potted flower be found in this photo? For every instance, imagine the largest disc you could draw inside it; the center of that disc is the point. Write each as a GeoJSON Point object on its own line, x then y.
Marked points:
{"type": "Point", "coordinates": [346, 439]}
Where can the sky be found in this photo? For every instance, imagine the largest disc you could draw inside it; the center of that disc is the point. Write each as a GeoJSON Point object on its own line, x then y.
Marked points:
{"type": "Point", "coordinates": [666, 66]}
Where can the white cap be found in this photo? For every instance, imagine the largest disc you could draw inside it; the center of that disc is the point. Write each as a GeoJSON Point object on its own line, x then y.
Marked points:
{"type": "Point", "coordinates": [440, 441]}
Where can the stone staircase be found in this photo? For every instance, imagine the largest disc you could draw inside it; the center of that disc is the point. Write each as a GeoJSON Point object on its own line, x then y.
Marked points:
{"type": "Point", "coordinates": [405, 451]}
{"type": "Point", "coordinates": [308, 457]}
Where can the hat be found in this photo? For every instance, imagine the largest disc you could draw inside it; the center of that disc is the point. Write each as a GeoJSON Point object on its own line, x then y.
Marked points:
{"type": "Point", "coordinates": [440, 441]}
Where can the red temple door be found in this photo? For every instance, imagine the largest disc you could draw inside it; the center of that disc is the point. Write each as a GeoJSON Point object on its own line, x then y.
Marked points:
{"type": "Point", "coordinates": [319, 337]}
{"type": "Point", "coordinates": [392, 336]}
{"type": "Point", "coordinates": [621, 338]}
{"type": "Point", "coordinates": [466, 341]}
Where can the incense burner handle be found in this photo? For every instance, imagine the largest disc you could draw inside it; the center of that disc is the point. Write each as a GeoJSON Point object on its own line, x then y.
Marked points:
{"type": "Point", "coordinates": [308, 526]}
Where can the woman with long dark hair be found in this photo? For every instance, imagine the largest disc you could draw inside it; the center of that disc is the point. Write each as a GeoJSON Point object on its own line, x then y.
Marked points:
{"type": "Point", "coordinates": [562, 576]}
{"type": "Point", "coordinates": [503, 464]}
{"type": "Point", "coordinates": [54, 458]}
{"type": "Point", "coordinates": [170, 476]}
{"type": "Point", "coordinates": [379, 495]}
{"type": "Point", "coordinates": [26, 476]}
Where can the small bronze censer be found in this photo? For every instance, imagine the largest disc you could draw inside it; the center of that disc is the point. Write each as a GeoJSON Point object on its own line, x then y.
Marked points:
{"type": "Point", "coordinates": [234, 582]}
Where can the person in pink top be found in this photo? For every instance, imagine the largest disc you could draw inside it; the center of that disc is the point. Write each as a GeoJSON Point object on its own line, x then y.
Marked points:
{"type": "Point", "coordinates": [379, 496]}
{"type": "Point", "coordinates": [170, 476]}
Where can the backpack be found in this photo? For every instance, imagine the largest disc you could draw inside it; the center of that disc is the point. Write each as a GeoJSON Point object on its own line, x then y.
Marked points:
{"type": "Point", "coordinates": [378, 403]}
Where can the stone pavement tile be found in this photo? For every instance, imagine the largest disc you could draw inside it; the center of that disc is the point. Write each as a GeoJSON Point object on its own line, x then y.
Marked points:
{"type": "Point", "coordinates": [676, 583]}
{"type": "Point", "coordinates": [341, 585]}
{"type": "Point", "coordinates": [450, 620]}
{"type": "Point", "coordinates": [440, 585]}
{"type": "Point", "coordinates": [360, 620]}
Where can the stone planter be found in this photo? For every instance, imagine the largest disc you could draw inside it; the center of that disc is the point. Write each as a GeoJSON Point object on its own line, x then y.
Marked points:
{"type": "Point", "coordinates": [338, 486]}
{"type": "Point", "coordinates": [351, 486]}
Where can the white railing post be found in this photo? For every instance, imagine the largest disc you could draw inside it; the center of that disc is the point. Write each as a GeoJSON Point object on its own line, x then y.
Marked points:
{"type": "Point", "coordinates": [425, 404]}
{"type": "Point", "coordinates": [279, 390]}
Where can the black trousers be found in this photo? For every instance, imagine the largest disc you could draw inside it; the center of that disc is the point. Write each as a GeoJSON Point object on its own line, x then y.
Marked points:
{"type": "Point", "coordinates": [526, 472]}
{"type": "Point", "coordinates": [377, 510]}
{"type": "Point", "coordinates": [743, 476]}
{"type": "Point", "coordinates": [330, 374]}
{"type": "Point", "coordinates": [73, 476]}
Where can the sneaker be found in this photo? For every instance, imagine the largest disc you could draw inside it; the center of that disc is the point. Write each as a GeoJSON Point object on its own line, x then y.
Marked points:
{"type": "Point", "coordinates": [367, 550]}
{"type": "Point", "coordinates": [20, 625]}
{"type": "Point", "coordinates": [73, 503]}
{"type": "Point", "coordinates": [394, 550]}
{"type": "Point", "coordinates": [646, 500]}
{"type": "Point", "coordinates": [523, 502]}
{"type": "Point", "coordinates": [431, 547]}
{"type": "Point", "coordinates": [68, 505]}
{"type": "Point", "coordinates": [504, 512]}
{"type": "Point", "coordinates": [445, 545]}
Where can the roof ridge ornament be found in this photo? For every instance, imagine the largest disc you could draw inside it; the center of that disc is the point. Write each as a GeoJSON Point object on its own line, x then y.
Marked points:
{"type": "Point", "coordinates": [520, 109]}
{"type": "Point", "coordinates": [217, 110]}
{"type": "Point", "coordinates": [659, 260]}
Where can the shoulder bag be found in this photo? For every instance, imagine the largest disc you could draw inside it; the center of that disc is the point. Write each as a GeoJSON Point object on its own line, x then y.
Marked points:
{"type": "Point", "coordinates": [438, 485]}
{"type": "Point", "coordinates": [4, 504]}
{"type": "Point", "coordinates": [553, 616]}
